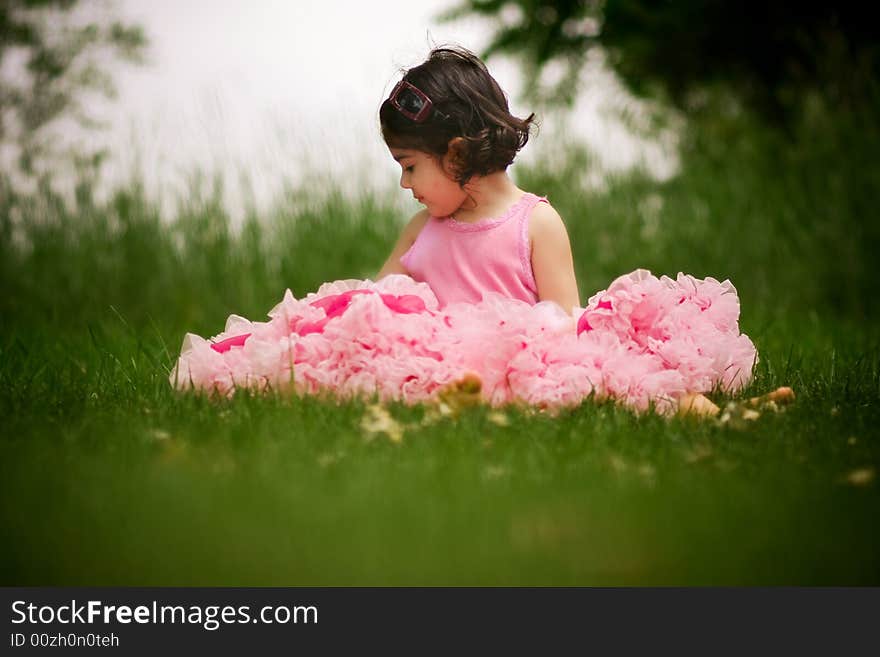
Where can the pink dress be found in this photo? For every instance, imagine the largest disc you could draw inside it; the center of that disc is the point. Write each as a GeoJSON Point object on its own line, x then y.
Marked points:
{"type": "Point", "coordinates": [464, 261]}
{"type": "Point", "coordinates": [470, 308]}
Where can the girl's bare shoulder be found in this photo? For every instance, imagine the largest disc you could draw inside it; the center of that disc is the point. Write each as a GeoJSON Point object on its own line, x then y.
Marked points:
{"type": "Point", "coordinates": [545, 220]}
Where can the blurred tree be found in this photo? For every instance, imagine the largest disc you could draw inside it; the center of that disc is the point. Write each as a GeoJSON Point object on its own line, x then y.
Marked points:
{"type": "Point", "coordinates": [769, 54]}
{"type": "Point", "coordinates": [539, 33]}
{"type": "Point", "coordinates": [53, 55]}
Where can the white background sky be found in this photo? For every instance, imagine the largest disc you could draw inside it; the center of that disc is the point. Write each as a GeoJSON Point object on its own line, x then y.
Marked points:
{"type": "Point", "coordinates": [270, 89]}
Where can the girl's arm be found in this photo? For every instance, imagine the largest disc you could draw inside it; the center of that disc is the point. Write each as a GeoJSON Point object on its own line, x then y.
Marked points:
{"type": "Point", "coordinates": [407, 236]}
{"type": "Point", "coordinates": [552, 262]}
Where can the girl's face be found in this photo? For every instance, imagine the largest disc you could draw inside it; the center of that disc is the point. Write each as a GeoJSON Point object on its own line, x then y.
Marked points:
{"type": "Point", "coordinates": [430, 181]}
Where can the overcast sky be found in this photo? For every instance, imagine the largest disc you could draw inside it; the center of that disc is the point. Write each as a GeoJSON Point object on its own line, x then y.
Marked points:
{"type": "Point", "coordinates": [270, 89]}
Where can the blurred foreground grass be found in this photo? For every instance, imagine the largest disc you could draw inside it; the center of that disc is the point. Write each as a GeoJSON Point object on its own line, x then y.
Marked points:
{"type": "Point", "coordinates": [108, 477]}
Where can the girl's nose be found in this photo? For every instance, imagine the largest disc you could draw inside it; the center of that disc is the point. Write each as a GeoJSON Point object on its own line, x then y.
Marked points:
{"type": "Point", "coordinates": [404, 181]}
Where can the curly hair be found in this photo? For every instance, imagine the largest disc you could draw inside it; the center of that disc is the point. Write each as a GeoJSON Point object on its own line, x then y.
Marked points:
{"type": "Point", "coordinates": [468, 103]}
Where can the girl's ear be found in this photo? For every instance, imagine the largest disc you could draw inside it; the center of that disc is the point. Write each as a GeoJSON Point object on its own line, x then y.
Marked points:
{"type": "Point", "coordinates": [456, 150]}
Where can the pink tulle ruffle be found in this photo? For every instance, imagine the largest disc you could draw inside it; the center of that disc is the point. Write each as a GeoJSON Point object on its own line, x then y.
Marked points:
{"type": "Point", "coordinates": [643, 340]}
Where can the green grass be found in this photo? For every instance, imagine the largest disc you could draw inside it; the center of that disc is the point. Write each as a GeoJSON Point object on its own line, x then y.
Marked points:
{"type": "Point", "coordinates": [107, 476]}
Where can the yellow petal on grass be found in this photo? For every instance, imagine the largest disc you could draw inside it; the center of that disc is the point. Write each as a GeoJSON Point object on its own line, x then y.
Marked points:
{"type": "Point", "coordinates": [377, 419]}
{"type": "Point", "coordinates": [700, 452]}
{"type": "Point", "coordinates": [737, 416]}
{"type": "Point", "coordinates": [327, 459]}
{"type": "Point", "coordinates": [495, 472]}
{"type": "Point", "coordinates": [861, 476]}
{"type": "Point", "coordinates": [647, 471]}
{"type": "Point", "coordinates": [434, 413]}
{"type": "Point", "coordinates": [617, 463]}
{"type": "Point", "coordinates": [160, 435]}
{"type": "Point", "coordinates": [499, 418]}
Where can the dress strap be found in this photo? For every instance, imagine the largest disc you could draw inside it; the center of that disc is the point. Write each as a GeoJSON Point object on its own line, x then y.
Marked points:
{"type": "Point", "coordinates": [524, 246]}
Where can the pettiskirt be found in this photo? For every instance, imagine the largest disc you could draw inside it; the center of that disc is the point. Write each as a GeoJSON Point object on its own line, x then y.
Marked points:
{"type": "Point", "coordinates": [644, 342]}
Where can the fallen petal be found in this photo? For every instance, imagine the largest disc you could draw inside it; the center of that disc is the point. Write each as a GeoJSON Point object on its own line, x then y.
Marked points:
{"type": "Point", "coordinates": [861, 476]}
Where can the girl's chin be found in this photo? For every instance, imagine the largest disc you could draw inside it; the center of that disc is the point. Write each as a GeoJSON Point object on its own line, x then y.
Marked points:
{"type": "Point", "coordinates": [442, 209]}
{"type": "Point", "coordinates": [436, 210]}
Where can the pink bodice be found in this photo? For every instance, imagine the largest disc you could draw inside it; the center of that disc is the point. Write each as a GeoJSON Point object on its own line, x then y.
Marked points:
{"type": "Point", "coordinates": [462, 261]}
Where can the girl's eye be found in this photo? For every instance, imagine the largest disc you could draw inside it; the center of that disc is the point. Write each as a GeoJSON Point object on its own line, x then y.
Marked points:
{"type": "Point", "coordinates": [410, 168]}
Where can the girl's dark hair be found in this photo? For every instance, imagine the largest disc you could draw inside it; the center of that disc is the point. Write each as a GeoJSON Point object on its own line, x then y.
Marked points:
{"type": "Point", "coordinates": [468, 103]}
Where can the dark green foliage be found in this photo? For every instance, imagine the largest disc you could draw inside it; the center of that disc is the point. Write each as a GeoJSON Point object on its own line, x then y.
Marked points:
{"type": "Point", "coordinates": [540, 32]}
{"type": "Point", "coordinates": [772, 55]}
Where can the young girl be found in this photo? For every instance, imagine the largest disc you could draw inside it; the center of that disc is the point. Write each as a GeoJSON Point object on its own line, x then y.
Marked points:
{"type": "Point", "coordinates": [481, 287]}
{"type": "Point", "coordinates": [478, 232]}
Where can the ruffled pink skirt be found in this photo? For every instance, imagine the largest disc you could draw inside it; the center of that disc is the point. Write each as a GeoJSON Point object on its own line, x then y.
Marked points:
{"type": "Point", "coordinates": [645, 340]}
